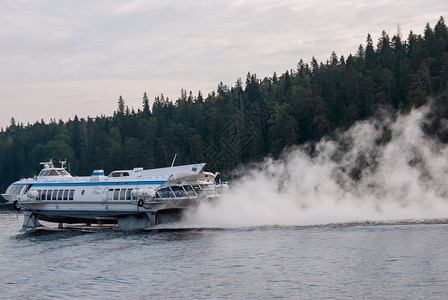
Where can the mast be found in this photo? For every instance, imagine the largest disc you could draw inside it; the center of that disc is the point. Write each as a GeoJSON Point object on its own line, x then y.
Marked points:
{"type": "Point", "coordinates": [174, 159]}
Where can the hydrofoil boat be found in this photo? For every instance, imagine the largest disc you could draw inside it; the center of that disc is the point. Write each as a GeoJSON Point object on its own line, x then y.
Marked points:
{"type": "Point", "coordinates": [155, 195]}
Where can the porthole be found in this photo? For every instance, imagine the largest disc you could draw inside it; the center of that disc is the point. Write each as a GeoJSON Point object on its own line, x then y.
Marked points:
{"type": "Point", "coordinates": [82, 192]}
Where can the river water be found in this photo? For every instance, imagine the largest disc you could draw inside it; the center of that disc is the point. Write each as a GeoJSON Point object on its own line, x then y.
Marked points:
{"type": "Point", "coordinates": [388, 260]}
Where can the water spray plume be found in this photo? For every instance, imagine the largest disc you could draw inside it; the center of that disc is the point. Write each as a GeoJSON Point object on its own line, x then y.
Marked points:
{"type": "Point", "coordinates": [384, 168]}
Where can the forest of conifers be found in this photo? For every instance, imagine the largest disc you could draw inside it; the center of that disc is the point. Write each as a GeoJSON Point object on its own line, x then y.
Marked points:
{"type": "Point", "coordinates": [255, 118]}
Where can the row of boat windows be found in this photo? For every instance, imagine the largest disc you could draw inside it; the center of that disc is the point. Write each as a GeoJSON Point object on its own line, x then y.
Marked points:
{"type": "Point", "coordinates": [55, 194]}
{"type": "Point", "coordinates": [116, 194]}
{"type": "Point", "coordinates": [167, 192]}
{"type": "Point", "coordinates": [120, 194]}
{"type": "Point", "coordinates": [180, 191]}
{"type": "Point", "coordinates": [127, 194]}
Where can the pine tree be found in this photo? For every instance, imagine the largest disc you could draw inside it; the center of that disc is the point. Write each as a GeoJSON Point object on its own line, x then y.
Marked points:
{"type": "Point", "coordinates": [199, 98]}
{"type": "Point", "coordinates": [121, 106]}
{"type": "Point", "coordinates": [441, 36]}
{"type": "Point", "coordinates": [370, 52]}
{"type": "Point", "coordinates": [361, 53]}
{"type": "Point", "coordinates": [146, 111]}
{"type": "Point", "coordinates": [334, 59]}
{"type": "Point", "coordinates": [274, 78]}
{"type": "Point", "coordinates": [429, 40]}
{"type": "Point", "coordinates": [384, 51]}
{"type": "Point", "coordinates": [314, 66]}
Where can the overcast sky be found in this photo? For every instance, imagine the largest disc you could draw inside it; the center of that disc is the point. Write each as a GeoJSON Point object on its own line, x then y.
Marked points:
{"type": "Point", "coordinates": [61, 58]}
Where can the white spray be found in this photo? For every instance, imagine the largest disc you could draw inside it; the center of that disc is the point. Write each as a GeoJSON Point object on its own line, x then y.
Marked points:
{"type": "Point", "coordinates": [381, 169]}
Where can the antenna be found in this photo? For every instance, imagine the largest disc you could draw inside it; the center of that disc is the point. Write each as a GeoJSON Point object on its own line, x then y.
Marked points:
{"type": "Point", "coordinates": [63, 162]}
{"type": "Point", "coordinates": [47, 164]}
{"type": "Point", "coordinates": [174, 159]}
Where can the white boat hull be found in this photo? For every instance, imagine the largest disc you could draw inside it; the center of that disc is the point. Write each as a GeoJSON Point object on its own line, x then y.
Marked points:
{"type": "Point", "coordinates": [106, 212]}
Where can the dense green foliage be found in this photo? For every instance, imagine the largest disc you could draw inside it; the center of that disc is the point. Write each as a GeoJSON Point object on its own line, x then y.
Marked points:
{"type": "Point", "coordinates": [246, 122]}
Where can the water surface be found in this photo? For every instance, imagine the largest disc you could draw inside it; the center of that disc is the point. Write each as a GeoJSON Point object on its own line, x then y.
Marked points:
{"type": "Point", "coordinates": [399, 260]}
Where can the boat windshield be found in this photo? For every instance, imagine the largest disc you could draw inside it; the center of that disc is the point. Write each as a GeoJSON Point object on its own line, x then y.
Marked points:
{"type": "Point", "coordinates": [63, 172]}
{"type": "Point", "coordinates": [54, 172]}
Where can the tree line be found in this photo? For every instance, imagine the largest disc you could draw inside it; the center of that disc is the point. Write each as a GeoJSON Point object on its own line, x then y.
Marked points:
{"type": "Point", "coordinates": [255, 118]}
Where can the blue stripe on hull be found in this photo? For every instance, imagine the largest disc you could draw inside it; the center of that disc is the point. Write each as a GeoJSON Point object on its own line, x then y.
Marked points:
{"type": "Point", "coordinates": [100, 183]}
{"type": "Point", "coordinates": [111, 212]}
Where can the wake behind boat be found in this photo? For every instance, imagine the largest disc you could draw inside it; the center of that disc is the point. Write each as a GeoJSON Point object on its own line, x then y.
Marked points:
{"type": "Point", "coordinates": [156, 195]}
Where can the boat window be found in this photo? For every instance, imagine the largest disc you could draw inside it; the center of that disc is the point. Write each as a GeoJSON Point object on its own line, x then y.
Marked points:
{"type": "Point", "coordinates": [116, 192]}
{"type": "Point", "coordinates": [65, 194]}
{"type": "Point", "coordinates": [118, 174]}
{"type": "Point", "coordinates": [43, 173]}
{"type": "Point", "coordinates": [110, 194]}
{"type": "Point", "coordinates": [44, 195]}
{"type": "Point", "coordinates": [60, 194]}
{"type": "Point", "coordinates": [39, 192]}
{"type": "Point", "coordinates": [122, 194]}
{"type": "Point", "coordinates": [64, 172]}
{"type": "Point", "coordinates": [18, 189]}
{"type": "Point", "coordinates": [53, 173]}
{"type": "Point", "coordinates": [129, 194]}
{"type": "Point", "coordinates": [10, 189]}
{"type": "Point", "coordinates": [55, 195]}
{"type": "Point", "coordinates": [49, 194]}
{"type": "Point", "coordinates": [179, 191]}
{"type": "Point", "coordinates": [161, 193]}
{"type": "Point", "coordinates": [24, 190]}
{"type": "Point", "coordinates": [14, 189]}
{"type": "Point", "coordinates": [165, 193]}
{"type": "Point", "coordinates": [71, 195]}
{"type": "Point", "coordinates": [190, 190]}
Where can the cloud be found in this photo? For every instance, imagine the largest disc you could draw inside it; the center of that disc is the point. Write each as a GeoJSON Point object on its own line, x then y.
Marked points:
{"type": "Point", "coordinates": [195, 43]}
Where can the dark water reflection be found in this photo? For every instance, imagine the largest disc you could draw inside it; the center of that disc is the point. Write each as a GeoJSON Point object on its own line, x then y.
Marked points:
{"type": "Point", "coordinates": [396, 260]}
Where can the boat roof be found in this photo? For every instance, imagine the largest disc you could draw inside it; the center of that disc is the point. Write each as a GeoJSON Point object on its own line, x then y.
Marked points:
{"type": "Point", "coordinates": [174, 173]}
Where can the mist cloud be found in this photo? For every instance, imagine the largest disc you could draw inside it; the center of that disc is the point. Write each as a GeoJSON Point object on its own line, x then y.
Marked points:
{"type": "Point", "coordinates": [384, 168]}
